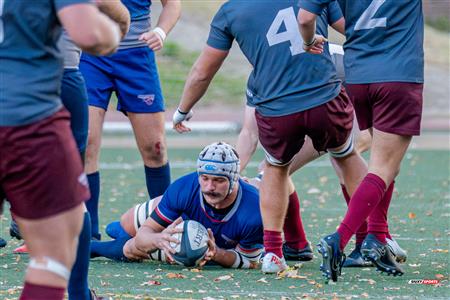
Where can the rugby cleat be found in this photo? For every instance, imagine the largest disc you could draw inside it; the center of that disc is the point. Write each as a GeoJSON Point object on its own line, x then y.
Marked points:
{"type": "Point", "coordinates": [355, 260]}
{"type": "Point", "coordinates": [271, 263]}
{"type": "Point", "coordinates": [380, 255]}
{"type": "Point", "coordinates": [304, 254]}
{"type": "Point", "coordinates": [2, 243]}
{"type": "Point", "coordinates": [333, 258]}
{"type": "Point", "coordinates": [23, 249]}
{"type": "Point", "coordinates": [14, 230]}
{"type": "Point", "coordinates": [400, 254]}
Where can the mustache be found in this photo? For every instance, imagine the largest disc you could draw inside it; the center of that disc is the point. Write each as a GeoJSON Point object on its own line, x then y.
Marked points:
{"type": "Point", "coordinates": [211, 194]}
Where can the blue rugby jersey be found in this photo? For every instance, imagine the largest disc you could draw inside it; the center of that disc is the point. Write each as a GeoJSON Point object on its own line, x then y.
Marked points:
{"type": "Point", "coordinates": [30, 62]}
{"type": "Point", "coordinates": [241, 227]}
{"type": "Point", "coordinates": [384, 39]}
{"type": "Point", "coordinates": [285, 79]}
{"type": "Point", "coordinates": [140, 22]}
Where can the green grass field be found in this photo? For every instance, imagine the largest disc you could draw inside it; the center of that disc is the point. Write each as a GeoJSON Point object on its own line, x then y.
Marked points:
{"type": "Point", "coordinates": [419, 219]}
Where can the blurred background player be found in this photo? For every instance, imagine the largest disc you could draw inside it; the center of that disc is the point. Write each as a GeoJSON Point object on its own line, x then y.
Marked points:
{"type": "Point", "coordinates": [287, 86]}
{"type": "Point", "coordinates": [213, 196]}
{"type": "Point", "coordinates": [132, 74]}
{"type": "Point", "coordinates": [42, 176]}
{"type": "Point", "coordinates": [387, 94]}
{"type": "Point", "coordinates": [74, 98]}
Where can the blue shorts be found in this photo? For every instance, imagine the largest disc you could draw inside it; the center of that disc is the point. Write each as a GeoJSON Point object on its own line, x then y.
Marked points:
{"type": "Point", "coordinates": [131, 73]}
{"type": "Point", "coordinates": [75, 99]}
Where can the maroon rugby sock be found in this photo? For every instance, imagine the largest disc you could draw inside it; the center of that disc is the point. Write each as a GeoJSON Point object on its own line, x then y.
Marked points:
{"type": "Point", "coordinates": [273, 242]}
{"type": "Point", "coordinates": [378, 225]}
{"type": "Point", "coordinates": [41, 292]}
{"type": "Point", "coordinates": [365, 199]}
{"type": "Point", "coordinates": [361, 233]}
{"type": "Point", "coordinates": [294, 234]}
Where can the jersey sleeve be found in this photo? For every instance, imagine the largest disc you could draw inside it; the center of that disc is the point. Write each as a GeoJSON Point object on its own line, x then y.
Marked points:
{"type": "Point", "coordinates": [60, 4]}
{"type": "Point", "coordinates": [334, 12]}
{"type": "Point", "coordinates": [171, 206]}
{"type": "Point", "coordinates": [250, 246]}
{"type": "Point", "coordinates": [314, 6]}
{"type": "Point", "coordinates": [220, 36]}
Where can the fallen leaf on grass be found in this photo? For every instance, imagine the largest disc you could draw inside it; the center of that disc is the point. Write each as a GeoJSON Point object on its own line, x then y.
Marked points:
{"type": "Point", "coordinates": [263, 280]}
{"type": "Point", "coordinates": [414, 265]}
{"type": "Point", "coordinates": [223, 278]}
{"type": "Point", "coordinates": [195, 270]}
{"type": "Point", "coordinates": [291, 272]}
{"type": "Point", "coordinates": [412, 215]}
{"type": "Point", "coordinates": [175, 275]}
{"type": "Point", "coordinates": [440, 251]}
{"type": "Point", "coordinates": [166, 289]}
{"type": "Point", "coordinates": [365, 295]}
{"type": "Point", "coordinates": [439, 276]}
{"type": "Point", "coordinates": [151, 282]}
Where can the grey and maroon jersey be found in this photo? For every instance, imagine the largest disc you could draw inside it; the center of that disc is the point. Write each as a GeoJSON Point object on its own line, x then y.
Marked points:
{"type": "Point", "coordinates": [285, 79]}
{"type": "Point", "coordinates": [384, 39]}
{"type": "Point", "coordinates": [30, 62]}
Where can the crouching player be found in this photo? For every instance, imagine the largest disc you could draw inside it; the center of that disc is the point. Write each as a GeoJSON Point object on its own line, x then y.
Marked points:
{"type": "Point", "coordinates": [213, 196]}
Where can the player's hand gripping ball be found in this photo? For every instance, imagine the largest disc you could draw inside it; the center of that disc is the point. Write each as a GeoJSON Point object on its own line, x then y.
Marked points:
{"type": "Point", "coordinates": [193, 243]}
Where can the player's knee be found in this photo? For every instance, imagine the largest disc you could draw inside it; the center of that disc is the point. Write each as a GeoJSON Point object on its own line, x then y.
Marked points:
{"type": "Point", "coordinates": [155, 154]}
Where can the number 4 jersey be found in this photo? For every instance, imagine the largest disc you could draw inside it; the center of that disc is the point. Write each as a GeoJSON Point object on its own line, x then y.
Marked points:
{"type": "Point", "coordinates": [384, 39]}
{"type": "Point", "coordinates": [284, 79]}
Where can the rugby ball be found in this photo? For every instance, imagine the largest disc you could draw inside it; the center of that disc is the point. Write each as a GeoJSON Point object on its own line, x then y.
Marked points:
{"type": "Point", "coordinates": [193, 243]}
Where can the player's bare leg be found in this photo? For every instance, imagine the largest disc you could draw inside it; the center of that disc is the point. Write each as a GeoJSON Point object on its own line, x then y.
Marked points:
{"type": "Point", "coordinates": [248, 137]}
{"type": "Point", "coordinates": [274, 203]}
{"type": "Point", "coordinates": [96, 119]}
{"type": "Point", "coordinates": [150, 138]}
{"type": "Point", "coordinates": [53, 238]}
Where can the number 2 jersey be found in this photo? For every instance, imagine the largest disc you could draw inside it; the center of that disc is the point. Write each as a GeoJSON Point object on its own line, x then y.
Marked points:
{"type": "Point", "coordinates": [384, 39]}
{"type": "Point", "coordinates": [285, 79]}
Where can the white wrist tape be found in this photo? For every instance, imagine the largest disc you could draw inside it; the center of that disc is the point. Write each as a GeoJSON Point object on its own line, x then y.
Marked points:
{"type": "Point", "coordinates": [240, 262]}
{"type": "Point", "coordinates": [160, 32]}
{"type": "Point", "coordinates": [50, 265]}
{"type": "Point", "coordinates": [180, 116]}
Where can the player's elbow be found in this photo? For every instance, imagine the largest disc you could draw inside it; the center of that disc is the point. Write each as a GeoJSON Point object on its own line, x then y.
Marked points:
{"type": "Point", "coordinates": [306, 19]}
{"type": "Point", "coordinates": [99, 42]}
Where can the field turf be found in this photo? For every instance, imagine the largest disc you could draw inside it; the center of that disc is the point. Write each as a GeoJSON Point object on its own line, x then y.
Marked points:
{"type": "Point", "coordinates": [419, 220]}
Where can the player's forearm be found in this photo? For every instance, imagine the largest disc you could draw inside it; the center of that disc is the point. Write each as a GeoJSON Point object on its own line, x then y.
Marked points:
{"type": "Point", "coordinates": [194, 89]}
{"type": "Point", "coordinates": [144, 240]}
{"type": "Point", "coordinates": [307, 25]}
{"type": "Point", "coordinates": [224, 257]}
{"type": "Point", "coordinates": [339, 26]}
{"type": "Point", "coordinates": [117, 12]}
{"type": "Point", "coordinates": [132, 252]}
{"type": "Point", "coordinates": [170, 14]}
{"type": "Point", "coordinates": [97, 34]}
{"type": "Point", "coordinates": [246, 146]}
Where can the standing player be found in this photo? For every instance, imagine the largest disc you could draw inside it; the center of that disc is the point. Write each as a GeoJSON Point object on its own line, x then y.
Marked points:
{"type": "Point", "coordinates": [384, 72]}
{"type": "Point", "coordinates": [41, 173]}
{"type": "Point", "coordinates": [132, 74]}
{"type": "Point", "coordinates": [295, 94]}
{"type": "Point", "coordinates": [213, 196]}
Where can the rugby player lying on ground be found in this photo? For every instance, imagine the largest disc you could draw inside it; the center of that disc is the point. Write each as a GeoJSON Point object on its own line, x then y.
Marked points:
{"type": "Point", "coordinates": [213, 196]}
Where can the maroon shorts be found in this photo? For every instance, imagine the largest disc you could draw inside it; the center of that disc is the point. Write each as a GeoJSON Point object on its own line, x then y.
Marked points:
{"type": "Point", "coordinates": [328, 125]}
{"type": "Point", "coordinates": [41, 173]}
{"type": "Point", "coordinates": [393, 107]}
